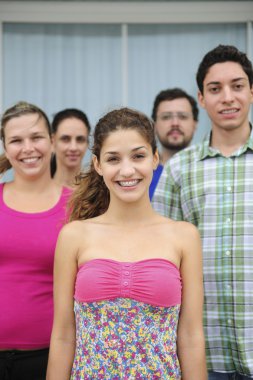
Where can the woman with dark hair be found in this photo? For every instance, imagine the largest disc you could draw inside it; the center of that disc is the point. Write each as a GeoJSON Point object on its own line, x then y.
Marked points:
{"type": "Point", "coordinates": [128, 288]}
{"type": "Point", "coordinates": [71, 129]}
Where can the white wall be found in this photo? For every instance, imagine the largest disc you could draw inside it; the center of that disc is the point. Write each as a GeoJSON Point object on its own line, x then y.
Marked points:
{"type": "Point", "coordinates": [96, 56]}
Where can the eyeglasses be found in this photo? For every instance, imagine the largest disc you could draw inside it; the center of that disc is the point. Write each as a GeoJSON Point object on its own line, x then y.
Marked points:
{"type": "Point", "coordinates": [170, 115]}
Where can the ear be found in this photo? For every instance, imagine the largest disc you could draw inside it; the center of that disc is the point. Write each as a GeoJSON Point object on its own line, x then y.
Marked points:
{"type": "Point", "coordinates": [201, 99]}
{"type": "Point", "coordinates": [96, 164]}
{"type": "Point", "coordinates": [155, 160]}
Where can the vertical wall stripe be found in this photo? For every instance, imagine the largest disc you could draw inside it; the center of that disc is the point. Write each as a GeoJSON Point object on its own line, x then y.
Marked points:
{"type": "Point", "coordinates": [249, 40]}
{"type": "Point", "coordinates": [124, 35]}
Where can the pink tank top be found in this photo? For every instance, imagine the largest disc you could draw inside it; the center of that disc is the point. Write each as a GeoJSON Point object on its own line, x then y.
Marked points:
{"type": "Point", "coordinates": [27, 244]}
{"type": "Point", "coordinates": [153, 281]}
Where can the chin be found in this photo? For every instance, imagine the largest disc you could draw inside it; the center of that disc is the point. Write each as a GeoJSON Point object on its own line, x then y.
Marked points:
{"type": "Point", "coordinates": [74, 166]}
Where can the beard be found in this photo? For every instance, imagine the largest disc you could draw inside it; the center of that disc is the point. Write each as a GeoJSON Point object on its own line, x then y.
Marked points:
{"type": "Point", "coordinates": [167, 144]}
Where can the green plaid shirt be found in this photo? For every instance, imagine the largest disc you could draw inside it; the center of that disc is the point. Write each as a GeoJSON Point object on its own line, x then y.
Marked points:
{"type": "Point", "coordinates": [215, 193]}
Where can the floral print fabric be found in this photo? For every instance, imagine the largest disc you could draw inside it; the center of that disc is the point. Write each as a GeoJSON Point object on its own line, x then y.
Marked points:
{"type": "Point", "coordinates": [123, 339]}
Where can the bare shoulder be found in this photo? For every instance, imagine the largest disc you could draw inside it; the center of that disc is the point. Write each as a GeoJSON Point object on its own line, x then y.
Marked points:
{"type": "Point", "coordinates": [75, 228]}
{"type": "Point", "coordinates": [186, 228]}
{"type": "Point", "coordinates": [183, 235]}
{"type": "Point", "coordinates": [187, 234]}
{"type": "Point", "coordinates": [179, 227]}
{"type": "Point", "coordinates": [70, 230]}
{"type": "Point", "coordinates": [190, 241]}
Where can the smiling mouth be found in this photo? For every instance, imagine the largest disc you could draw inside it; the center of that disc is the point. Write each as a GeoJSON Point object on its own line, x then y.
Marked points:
{"type": "Point", "coordinates": [30, 160]}
{"type": "Point", "coordinates": [131, 183]}
{"type": "Point", "coordinates": [230, 111]}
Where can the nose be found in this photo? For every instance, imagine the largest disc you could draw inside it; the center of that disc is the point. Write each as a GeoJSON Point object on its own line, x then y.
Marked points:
{"type": "Point", "coordinates": [28, 145]}
{"type": "Point", "coordinates": [73, 144]}
{"type": "Point", "coordinates": [228, 95]}
{"type": "Point", "coordinates": [174, 119]}
{"type": "Point", "coordinates": [127, 169]}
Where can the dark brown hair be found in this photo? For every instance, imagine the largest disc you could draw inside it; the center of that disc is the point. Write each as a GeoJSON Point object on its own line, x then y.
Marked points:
{"type": "Point", "coordinates": [220, 54]}
{"type": "Point", "coordinates": [91, 198]}
{"type": "Point", "coordinates": [171, 94]}
{"type": "Point", "coordinates": [60, 116]}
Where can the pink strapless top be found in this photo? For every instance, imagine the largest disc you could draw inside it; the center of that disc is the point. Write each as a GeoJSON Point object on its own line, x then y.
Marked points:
{"type": "Point", "coordinates": [154, 281]}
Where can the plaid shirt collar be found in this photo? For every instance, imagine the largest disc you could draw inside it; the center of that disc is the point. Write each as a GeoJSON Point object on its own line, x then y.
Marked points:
{"type": "Point", "coordinates": [207, 151]}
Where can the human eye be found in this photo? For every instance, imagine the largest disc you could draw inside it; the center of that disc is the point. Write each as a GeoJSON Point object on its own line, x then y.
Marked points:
{"type": "Point", "coordinates": [183, 116]}
{"type": "Point", "coordinates": [37, 137]}
{"type": "Point", "coordinates": [214, 89]}
{"type": "Point", "coordinates": [139, 156]}
{"type": "Point", "coordinates": [166, 117]}
{"type": "Point", "coordinates": [238, 86]}
{"type": "Point", "coordinates": [113, 159]}
{"type": "Point", "coordinates": [65, 139]}
{"type": "Point", "coordinates": [15, 141]}
{"type": "Point", "coordinates": [81, 139]}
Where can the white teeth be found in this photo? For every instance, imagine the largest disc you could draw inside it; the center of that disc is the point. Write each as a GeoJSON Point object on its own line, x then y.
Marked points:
{"type": "Point", "coordinates": [30, 160]}
{"type": "Point", "coordinates": [229, 111]}
{"type": "Point", "coordinates": [128, 183]}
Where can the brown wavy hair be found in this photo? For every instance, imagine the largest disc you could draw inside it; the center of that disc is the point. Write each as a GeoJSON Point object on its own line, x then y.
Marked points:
{"type": "Point", "coordinates": [91, 197]}
{"type": "Point", "coordinates": [18, 109]}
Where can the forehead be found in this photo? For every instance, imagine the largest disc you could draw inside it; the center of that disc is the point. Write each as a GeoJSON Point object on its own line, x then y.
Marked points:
{"type": "Point", "coordinates": [175, 105]}
{"type": "Point", "coordinates": [72, 127]}
{"type": "Point", "coordinates": [124, 139]}
{"type": "Point", "coordinates": [25, 125]}
{"type": "Point", "coordinates": [225, 71]}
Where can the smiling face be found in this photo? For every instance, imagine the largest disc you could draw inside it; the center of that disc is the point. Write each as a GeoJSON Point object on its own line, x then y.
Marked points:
{"type": "Point", "coordinates": [174, 123]}
{"type": "Point", "coordinates": [126, 163]}
{"type": "Point", "coordinates": [227, 96]}
{"type": "Point", "coordinates": [70, 143]}
{"type": "Point", "coordinates": [28, 145]}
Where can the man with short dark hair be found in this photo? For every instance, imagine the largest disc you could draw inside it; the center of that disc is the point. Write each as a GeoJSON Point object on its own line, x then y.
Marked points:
{"type": "Point", "coordinates": [175, 115]}
{"type": "Point", "coordinates": [211, 185]}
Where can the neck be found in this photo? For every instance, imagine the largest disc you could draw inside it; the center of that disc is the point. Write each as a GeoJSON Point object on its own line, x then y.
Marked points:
{"type": "Point", "coordinates": [129, 213]}
{"type": "Point", "coordinates": [166, 154]}
{"type": "Point", "coordinates": [228, 141]}
{"type": "Point", "coordinates": [65, 176]}
{"type": "Point", "coordinates": [32, 185]}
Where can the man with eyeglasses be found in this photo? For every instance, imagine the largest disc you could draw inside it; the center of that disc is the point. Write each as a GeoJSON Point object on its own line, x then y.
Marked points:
{"type": "Point", "coordinates": [175, 115]}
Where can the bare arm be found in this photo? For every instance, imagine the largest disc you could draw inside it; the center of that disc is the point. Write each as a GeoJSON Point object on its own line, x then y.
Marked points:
{"type": "Point", "coordinates": [62, 345]}
{"type": "Point", "coordinates": [191, 345]}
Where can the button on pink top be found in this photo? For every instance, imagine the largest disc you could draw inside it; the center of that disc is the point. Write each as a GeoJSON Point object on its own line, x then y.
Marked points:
{"type": "Point", "coordinates": [153, 281]}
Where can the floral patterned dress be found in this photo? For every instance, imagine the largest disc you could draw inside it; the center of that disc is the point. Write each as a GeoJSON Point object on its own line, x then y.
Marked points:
{"type": "Point", "coordinates": [125, 339]}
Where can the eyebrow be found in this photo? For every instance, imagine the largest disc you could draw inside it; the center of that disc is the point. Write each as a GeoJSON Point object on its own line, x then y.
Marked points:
{"type": "Point", "coordinates": [36, 133]}
{"type": "Point", "coordinates": [133, 150]}
{"type": "Point", "coordinates": [20, 137]}
{"type": "Point", "coordinates": [13, 137]}
{"type": "Point", "coordinates": [78, 136]}
{"type": "Point", "coordinates": [233, 80]}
